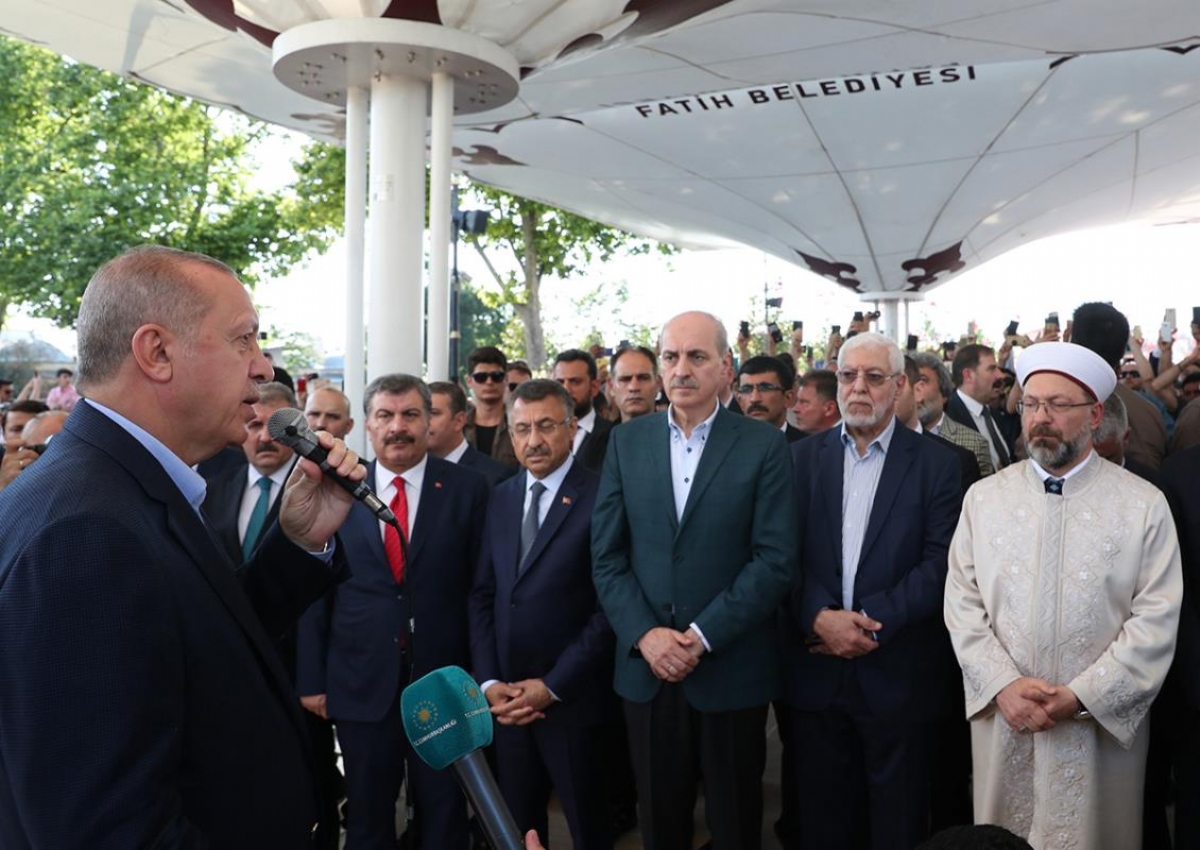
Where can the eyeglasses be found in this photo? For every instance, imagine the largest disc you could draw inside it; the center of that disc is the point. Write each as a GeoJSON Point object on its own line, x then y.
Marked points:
{"type": "Point", "coordinates": [763, 387]}
{"type": "Point", "coordinates": [544, 427]}
{"type": "Point", "coordinates": [847, 377]}
{"type": "Point", "coordinates": [483, 377]}
{"type": "Point", "coordinates": [1054, 406]}
{"type": "Point", "coordinates": [1125, 375]}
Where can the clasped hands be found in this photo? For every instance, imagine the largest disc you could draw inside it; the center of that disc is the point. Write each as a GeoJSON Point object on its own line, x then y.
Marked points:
{"type": "Point", "coordinates": [846, 634]}
{"type": "Point", "coordinates": [519, 703]}
{"type": "Point", "coordinates": [1034, 705]}
{"type": "Point", "coordinates": [672, 655]}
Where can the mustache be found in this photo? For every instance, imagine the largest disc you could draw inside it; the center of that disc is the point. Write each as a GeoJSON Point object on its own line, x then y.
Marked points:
{"type": "Point", "coordinates": [757, 407]}
{"type": "Point", "coordinates": [1044, 431]}
{"type": "Point", "coordinates": [398, 438]}
{"type": "Point", "coordinates": [684, 384]}
{"type": "Point", "coordinates": [537, 451]}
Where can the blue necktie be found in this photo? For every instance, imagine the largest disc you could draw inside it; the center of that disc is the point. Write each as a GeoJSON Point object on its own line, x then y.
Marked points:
{"type": "Point", "coordinates": [1054, 486]}
{"type": "Point", "coordinates": [258, 517]}
{"type": "Point", "coordinates": [529, 528]}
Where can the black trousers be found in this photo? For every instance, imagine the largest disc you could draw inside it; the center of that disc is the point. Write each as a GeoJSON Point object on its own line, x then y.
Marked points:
{"type": "Point", "coordinates": [375, 755]}
{"type": "Point", "coordinates": [533, 759]}
{"type": "Point", "coordinates": [866, 780]}
{"type": "Point", "coordinates": [673, 746]}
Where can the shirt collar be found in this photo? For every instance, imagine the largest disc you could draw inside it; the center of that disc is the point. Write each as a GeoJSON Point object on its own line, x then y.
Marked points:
{"type": "Point", "coordinates": [1044, 475]}
{"type": "Point", "coordinates": [414, 476]}
{"type": "Point", "coordinates": [588, 423]}
{"type": "Point", "coordinates": [456, 454]}
{"type": "Point", "coordinates": [975, 407]}
{"type": "Point", "coordinates": [884, 440]}
{"type": "Point", "coordinates": [552, 481]}
{"type": "Point", "coordinates": [279, 476]}
{"type": "Point", "coordinates": [701, 428]}
{"type": "Point", "coordinates": [190, 482]}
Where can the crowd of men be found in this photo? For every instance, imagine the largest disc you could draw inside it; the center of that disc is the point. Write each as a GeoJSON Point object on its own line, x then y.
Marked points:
{"type": "Point", "coordinates": [963, 588]}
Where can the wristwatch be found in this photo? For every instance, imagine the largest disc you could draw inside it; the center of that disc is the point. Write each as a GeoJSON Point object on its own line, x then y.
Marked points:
{"type": "Point", "coordinates": [1081, 713]}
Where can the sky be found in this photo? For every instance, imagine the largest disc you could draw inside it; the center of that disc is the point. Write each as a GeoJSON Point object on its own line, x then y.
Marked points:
{"type": "Point", "coordinates": [1141, 269]}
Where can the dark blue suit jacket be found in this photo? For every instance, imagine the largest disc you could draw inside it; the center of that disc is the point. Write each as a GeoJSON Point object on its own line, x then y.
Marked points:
{"type": "Point", "coordinates": [491, 469]}
{"type": "Point", "coordinates": [142, 703]}
{"type": "Point", "coordinates": [900, 580]}
{"type": "Point", "coordinates": [546, 624]}
{"type": "Point", "coordinates": [349, 643]}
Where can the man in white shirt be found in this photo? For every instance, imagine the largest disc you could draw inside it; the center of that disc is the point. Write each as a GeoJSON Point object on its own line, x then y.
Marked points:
{"type": "Point", "coordinates": [975, 373]}
{"type": "Point", "coordinates": [447, 419]}
{"type": "Point", "coordinates": [576, 370]}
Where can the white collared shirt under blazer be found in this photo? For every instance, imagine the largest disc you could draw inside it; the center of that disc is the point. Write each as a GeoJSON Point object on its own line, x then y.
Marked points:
{"type": "Point", "coordinates": [1082, 589]}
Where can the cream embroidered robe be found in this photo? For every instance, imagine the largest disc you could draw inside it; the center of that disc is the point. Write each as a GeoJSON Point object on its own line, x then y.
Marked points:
{"type": "Point", "coordinates": [1081, 589]}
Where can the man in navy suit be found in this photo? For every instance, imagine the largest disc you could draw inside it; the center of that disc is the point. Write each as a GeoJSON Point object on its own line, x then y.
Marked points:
{"type": "Point", "coordinates": [541, 647]}
{"type": "Point", "coordinates": [577, 371]}
{"type": "Point", "coordinates": [242, 504]}
{"type": "Point", "coordinates": [446, 439]}
{"type": "Point", "coordinates": [401, 614]}
{"type": "Point", "coordinates": [867, 668]}
{"type": "Point", "coordinates": [143, 704]}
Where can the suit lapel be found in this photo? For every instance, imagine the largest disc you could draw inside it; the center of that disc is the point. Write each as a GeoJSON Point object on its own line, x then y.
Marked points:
{"type": "Point", "coordinates": [433, 498]}
{"type": "Point", "coordinates": [831, 465]}
{"type": "Point", "coordinates": [895, 467]}
{"type": "Point", "coordinates": [659, 450]}
{"type": "Point", "coordinates": [720, 440]}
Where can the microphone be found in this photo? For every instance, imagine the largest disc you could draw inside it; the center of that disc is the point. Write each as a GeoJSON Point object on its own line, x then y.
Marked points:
{"type": "Point", "coordinates": [447, 721]}
{"type": "Point", "coordinates": [288, 426]}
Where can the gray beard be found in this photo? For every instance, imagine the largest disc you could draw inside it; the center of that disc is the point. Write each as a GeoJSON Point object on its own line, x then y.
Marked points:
{"type": "Point", "coordinates": [1067, 453]}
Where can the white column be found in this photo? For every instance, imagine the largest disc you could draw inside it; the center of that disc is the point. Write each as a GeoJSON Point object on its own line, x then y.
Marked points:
{"type": "Point", "coordinates": [441, 127]}
{"type": "Point", "coordinates": [396, 226]}
{"type": "Point", "coordinates": [891, 320]}
{"type": "Point", "coordinates": [356, 214]}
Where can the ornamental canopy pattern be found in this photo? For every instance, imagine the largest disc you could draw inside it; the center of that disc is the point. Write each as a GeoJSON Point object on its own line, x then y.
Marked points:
{"type": "Point", "coordinates": [886, 146]}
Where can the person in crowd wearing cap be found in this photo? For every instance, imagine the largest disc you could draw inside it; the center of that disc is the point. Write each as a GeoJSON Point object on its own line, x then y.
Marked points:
{"type": "Point", "coordinates": [1062, 602]}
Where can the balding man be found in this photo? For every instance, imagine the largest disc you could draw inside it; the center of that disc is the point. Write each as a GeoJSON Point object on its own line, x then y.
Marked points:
{"type": "Point", "coordinates": [328, 409]}
{"type": "Point", "coordinates": [153, 709]}
{"type": "Point", "coordinates": [693, 549]}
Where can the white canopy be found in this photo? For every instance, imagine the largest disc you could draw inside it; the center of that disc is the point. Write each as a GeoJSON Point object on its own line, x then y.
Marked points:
{"type": "Point", "coordinates": [885, 145]}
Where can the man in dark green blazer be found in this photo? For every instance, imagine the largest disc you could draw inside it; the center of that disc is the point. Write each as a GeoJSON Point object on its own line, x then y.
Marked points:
{"type": "Point", "coordinates": [694, 548]}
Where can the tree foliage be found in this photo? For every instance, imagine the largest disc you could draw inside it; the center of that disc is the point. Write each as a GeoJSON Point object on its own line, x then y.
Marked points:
{"type": "Point", "coordinates": [543, 241]}
{"type": "Point", "coordinates": [93, 163]}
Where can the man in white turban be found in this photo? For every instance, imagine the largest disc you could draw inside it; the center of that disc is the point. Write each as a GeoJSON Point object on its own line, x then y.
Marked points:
{"type": "Point", "coordinates": [1062, 601]}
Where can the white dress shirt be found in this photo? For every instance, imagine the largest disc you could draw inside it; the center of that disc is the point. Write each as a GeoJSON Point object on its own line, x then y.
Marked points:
{"type": "Point", "coordinates": [455, 455]}
{"type": "Point", "coordinates": [385, 488]}
{"type": "Point", "coordinates": [587, 424]}
{"type": "Point", "coordinates": [250, 493]}
{"type": "Point", "coordinates": [976, 411]}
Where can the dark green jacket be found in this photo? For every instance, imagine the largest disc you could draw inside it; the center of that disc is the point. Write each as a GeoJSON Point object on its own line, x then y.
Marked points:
{"type": "Point", "coordinates": [726, 566]}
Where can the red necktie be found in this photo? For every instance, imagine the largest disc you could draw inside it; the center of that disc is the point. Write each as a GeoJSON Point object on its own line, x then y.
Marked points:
{"type": "Point", "coordinates": [391, 538]}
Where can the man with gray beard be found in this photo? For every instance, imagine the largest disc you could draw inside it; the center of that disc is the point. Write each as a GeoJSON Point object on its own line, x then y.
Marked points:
{"type": "Point", "coordinates": [867, 666]}
{"type": "Point", "coordinates": [1062, 601]}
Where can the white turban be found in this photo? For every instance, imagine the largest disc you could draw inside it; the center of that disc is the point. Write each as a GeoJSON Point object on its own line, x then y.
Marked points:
{"type": "Point", "coordinates": [1081, 365]}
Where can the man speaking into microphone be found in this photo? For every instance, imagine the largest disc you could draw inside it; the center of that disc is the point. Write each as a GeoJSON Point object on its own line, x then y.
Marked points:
{"type": "Point", "coordinates": [143, 704]}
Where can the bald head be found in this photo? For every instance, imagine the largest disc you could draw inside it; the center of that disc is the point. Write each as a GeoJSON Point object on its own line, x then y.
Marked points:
{"type": "Point", "coordinates": [693, 320]}
{"type": "Point", "coordinates": [328, 409]}
{"type": "Point", "coordinates": [150, 284]}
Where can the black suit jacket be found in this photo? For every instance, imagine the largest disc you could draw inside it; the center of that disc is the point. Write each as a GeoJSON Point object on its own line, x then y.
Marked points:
{"type": "Point", "coordinates": [793, 435]}
{"type": "Point", "coordinates": [492, 470]}
{"type": "Point", "coordinates": [223, 503]}
{"type": "Point", "coordinates": [350, 643]}
{"type": "Point", "coordinates": [1179, 479]}
{"type": "Point", "coordinates": [545, 623]}
{"type": "Point", "coordinates": [956, 409]}
{"type": "Point", "coordinates": [153, 711]}
{"type": "Point", "coordinates": [594, 446]}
